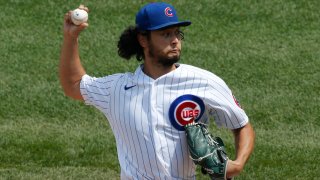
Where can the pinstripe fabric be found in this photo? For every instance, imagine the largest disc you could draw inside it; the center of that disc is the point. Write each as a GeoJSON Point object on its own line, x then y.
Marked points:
{"type": "Point", "coordinates": [136, 106]}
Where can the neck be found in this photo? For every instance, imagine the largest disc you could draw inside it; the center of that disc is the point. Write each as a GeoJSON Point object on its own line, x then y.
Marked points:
{"type": "Point", "coordinates": [157, 70]}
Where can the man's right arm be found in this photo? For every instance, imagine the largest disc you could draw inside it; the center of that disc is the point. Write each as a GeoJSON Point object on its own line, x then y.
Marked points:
{"type": "Point", "coordinates": [70, 68]}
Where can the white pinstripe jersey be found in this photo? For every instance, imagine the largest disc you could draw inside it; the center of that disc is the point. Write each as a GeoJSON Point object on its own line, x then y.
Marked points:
{"type": "Point", "coordinates": [147, 116]}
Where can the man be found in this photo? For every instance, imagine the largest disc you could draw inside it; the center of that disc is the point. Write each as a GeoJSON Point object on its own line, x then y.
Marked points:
{"type": "Point", "coordinates": [148, 109]}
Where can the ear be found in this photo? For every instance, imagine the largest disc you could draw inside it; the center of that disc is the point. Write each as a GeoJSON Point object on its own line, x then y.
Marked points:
{"type": "Point", "coordinates": [143, 40]}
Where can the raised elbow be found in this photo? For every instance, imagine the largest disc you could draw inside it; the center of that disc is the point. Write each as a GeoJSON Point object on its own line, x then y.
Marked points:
{"type": "Point", "coordinates": [72, 91]}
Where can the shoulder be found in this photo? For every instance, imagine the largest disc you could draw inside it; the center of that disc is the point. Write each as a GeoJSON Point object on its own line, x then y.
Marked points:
{"type": "Point", "coordinates": [203, 74]}
{"type": "Point", "coordinates": [108, 80]}
{"type": "Point", "coordinates": [195, 69]}
{"type": "Point", "coordinates": [103, 79]}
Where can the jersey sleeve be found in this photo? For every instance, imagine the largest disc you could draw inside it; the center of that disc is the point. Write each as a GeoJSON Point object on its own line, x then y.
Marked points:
{"type": "Point", "coordinates": [224, 107]}
{"type": "Point", "coordinates": [96, 91]}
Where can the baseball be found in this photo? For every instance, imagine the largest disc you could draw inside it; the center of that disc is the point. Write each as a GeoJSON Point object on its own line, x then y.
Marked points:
{"type": "Point", "coordinates": [79, 16]}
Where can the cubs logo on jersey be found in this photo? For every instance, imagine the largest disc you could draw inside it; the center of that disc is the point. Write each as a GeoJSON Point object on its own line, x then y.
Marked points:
{"type": "Point", "coordinates": [184, 110]}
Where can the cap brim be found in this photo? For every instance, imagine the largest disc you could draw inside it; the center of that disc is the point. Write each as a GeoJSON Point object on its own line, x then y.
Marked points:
{"type": "Point", "coordinates": [170, 24]}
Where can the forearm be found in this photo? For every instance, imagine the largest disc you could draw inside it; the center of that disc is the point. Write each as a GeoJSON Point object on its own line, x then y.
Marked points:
{"type": "Point", "coordinates": [244, 144]}
{"type": "Point", "coordinates": [70, 69]}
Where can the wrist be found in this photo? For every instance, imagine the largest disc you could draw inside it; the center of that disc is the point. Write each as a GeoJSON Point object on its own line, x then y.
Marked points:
{"type": "Point", "coordinates": [69, 38]}
{"type": "Point", "coordinates": [234, 168]}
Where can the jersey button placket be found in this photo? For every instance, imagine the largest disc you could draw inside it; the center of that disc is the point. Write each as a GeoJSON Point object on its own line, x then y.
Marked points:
{"type": "Point", "coordinates": [153, 105]}
{"type": "Point", "coordinates": [154, 121]}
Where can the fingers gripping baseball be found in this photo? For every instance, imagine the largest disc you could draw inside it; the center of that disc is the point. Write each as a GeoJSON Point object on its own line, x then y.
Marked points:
{"type": "Point", "coordinates": [73, 26]}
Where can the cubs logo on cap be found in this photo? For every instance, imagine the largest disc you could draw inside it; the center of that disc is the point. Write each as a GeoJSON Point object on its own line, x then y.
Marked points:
{"type": "Point", "coordinates": [168, 12]}
{"type": "Point", "coordinates": [158, 15]}
{"type": "Point", "coordinates": [184, 110]}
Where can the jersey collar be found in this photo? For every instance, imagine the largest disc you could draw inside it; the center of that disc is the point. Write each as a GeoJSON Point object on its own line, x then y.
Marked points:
{"type": "Point", "coordinates": [141, 77]}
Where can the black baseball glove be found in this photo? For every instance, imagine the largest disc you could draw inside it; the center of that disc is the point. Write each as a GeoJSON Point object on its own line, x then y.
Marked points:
{"type": "Point", "coordinates": [206, 151]}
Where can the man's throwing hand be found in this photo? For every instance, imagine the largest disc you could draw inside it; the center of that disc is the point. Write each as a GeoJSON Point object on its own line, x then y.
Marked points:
{"type": "Point", "coordinates": [69, 28]}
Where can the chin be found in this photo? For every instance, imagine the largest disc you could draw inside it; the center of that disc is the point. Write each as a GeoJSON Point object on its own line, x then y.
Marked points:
{"type": "Point", "coordinates": [171, 61]}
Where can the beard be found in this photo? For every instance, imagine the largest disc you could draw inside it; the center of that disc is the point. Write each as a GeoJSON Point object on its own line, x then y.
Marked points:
{"type": "Point", "coordinates": [165, 61]}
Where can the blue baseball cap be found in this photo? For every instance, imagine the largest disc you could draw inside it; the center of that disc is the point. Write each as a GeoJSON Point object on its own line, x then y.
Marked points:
{"type": "Point", "coordinates": [158, 15]}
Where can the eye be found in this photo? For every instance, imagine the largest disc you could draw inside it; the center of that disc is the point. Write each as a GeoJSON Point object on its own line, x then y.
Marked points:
{"type": "Point", "coordinates": [166, 34]}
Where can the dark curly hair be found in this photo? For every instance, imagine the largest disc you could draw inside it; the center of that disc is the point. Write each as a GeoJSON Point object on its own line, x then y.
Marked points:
{"type": "Point", "coordinates": [128, 44]}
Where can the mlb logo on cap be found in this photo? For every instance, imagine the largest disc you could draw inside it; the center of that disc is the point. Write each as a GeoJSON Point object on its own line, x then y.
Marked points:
{"type": "Point", "coordinates": [158, 15]}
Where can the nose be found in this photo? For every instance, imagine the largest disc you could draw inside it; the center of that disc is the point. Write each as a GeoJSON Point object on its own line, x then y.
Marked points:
{"type": "Point", "coordinates": [175, 39]}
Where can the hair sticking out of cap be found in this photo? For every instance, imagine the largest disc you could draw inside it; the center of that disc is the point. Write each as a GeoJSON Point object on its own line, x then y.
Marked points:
{"type": "Point", "coordinates": [128, 44]}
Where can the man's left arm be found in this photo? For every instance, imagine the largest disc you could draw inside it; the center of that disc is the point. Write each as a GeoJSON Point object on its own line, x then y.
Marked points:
{"type": "Point", "coordinates": [244, 143]}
